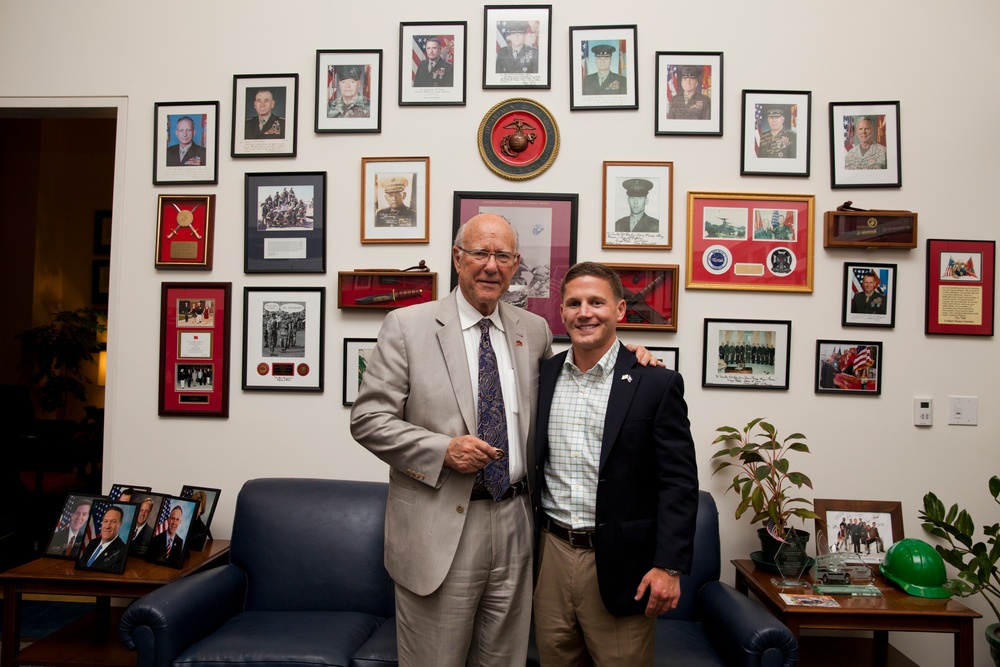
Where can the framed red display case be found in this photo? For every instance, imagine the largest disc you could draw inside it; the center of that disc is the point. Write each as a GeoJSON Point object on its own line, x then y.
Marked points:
{"type": "Point", "coordinates": [384, 290]}
{"type": "Point", "coordinates": [650, 292]}
{"type": "Point", "coordinates": [961, 277]}
{"type": "Point", "coordinates": [184, 232]}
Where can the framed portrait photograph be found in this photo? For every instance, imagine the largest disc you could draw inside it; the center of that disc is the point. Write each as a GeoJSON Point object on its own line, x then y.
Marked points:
{"type": "Point", "coordinates": [869, 295]}
{"type": "Point", "coordinates": [112, 529]}
{"type": "Point", "coordinates": [127, 493]}
{"type": "Point", "coordinates": [185, 143]}
{"type": "Point", "coordinates": [169, 543]}
{"type": "Point", "coordinates": [746, 354]}
{"type": "Point", "coordinates": [961, 279]}
{"type": "Point", "coordinates": [848, 367]}
{"type": "Point", "coordinates": [864, 528]}
{"type": "Point", "coordinates": [859, 228]}
{"type": "Point", "coordinates": [185, 229]}
{"type": "Point", "coordinates": [283, 338]}
{"type": "Point", "coordinates": [357, 352]}
{"type": "Point", "coordinates": [285, 223]}
{"type": "Point", "coordinates": [349, 91]}
{"type": "Point", "coordinates": [432, 63]}
{"type": "Point", "coordinates": [102, 232]}
{"type": "Point", "coordinates": [546, 226]}
{"type": "Point", "coordinates": [206, 499]}
{"type": "Point", "coordinates": [75, 528]}
{"type": "Point", "coordinates": [750, 242]}
{"type": "Point", "coordinates": [145, 521]}
{"type": "Point", "coordinates": [638, 205]}
{"type": "Point", "coordinates": [650, 292]}
{"type": "Point", "coordinates": [517, 46]}
{"type": "Point", "coordinates": [265, 115]}
{"type": "Point", "coordinates": [395, 199]}
{"type": "Point", "coordinates": [689, 93]}
{"type": "Point", "coordinates": [385, 290]}
{"type": "Point", "coordinates": [775, 137]}
{"type": "Point", "coordinates": [194, 349]}
{"type": "Point", "coordinates": [603, 68]}
{"type": "Point", "coordinates": [864, 145]}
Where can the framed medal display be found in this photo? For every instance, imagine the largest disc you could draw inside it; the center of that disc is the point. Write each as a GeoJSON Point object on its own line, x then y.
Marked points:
{"type": "Point", "coordinates": [184, 230]}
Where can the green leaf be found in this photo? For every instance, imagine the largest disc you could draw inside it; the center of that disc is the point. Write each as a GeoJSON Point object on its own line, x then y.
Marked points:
{"type": "Point", "coordinates": [995, 486]}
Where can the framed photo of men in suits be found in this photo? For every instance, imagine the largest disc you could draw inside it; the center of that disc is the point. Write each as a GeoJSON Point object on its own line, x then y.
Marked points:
{"type": "Point", "coordinates": [432, 59]}
{"type": "Point", "coordinates": [145, 522]}
{"type": "Point", "coordinates": [638, 205]}
{"type": "Point", "coordinates": [112, 527]}
{"type": "Point", "coordinates": [169, 543]}
{"type": "Point", "coordinates": [74, 528]}
{"type": "Point", "coordinates": [517, 46]}
{"type": "Point", "coordinates": [603, 67]}
{"type": "Point", "coordinates": [185, 143]}
{"type": "Point", "coordinates": [265, 115]}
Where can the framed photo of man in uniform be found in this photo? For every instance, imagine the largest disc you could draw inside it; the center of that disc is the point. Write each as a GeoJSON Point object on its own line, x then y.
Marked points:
{"type": "Point", "coordinates": [869, 295]}
{"type": "Point", "coordinates": [265, 115]}
{"type": "Point", "coordinates": [517, 46]}
{"type": "Point", "coordinates": [638, 205]}
{"type": "Point", "coordinates": [395, 199]}
{"type": "Point", "coordinates": [349, 91]}
{"type": "Point", "coordinates": [603, 68]}
{"type": "Point", "coordinates": [689, 93]}
{"type": "Point", "coordinates": [432, 63]}
{"type": "Point", "coordinates": [185, 143]}
{"type": "Point", "coordinates": [864, 145]}
{"type": "Point", "coordinates": [776, 130]}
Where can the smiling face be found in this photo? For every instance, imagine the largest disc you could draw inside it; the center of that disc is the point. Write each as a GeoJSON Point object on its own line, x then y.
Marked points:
{"type": "Point", "coordinates": [174, 522]}
{"type": "Point", "coordinates": [144, 509]}
{"type": "Point", "coordinates": [483, 283]}
{"type": "Point", "coordinates": [111, 524]}
{"type": "Point", "coordinates": [689, 84]}
{"type": "Point", "coordinates": [864, 131]}
{"type": "Point", "coordinates": [868, 284]}
{"type": "Point", "coordinates": [776, 123]}
{"type": "Point", "coordinates": [590, 311]}
{"type": "Point", "coordinates": [80, 516]}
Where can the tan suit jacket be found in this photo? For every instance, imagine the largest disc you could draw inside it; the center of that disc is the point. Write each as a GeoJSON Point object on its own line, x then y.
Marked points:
{"type": "Point", "coordinates": [416, 396]}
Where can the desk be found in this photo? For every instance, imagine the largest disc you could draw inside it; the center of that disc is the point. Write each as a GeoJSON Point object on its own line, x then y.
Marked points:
{"type": "Point", "coordinates": [894, 611]}
{"type": "Point", "coordinates": [93, 640]}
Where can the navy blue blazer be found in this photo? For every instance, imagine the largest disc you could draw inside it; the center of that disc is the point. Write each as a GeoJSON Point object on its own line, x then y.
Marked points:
{"type": "Point", "coordinates": [647, 491]}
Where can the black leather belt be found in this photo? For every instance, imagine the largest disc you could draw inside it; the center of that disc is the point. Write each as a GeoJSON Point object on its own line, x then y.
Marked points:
{"type": "Point", "coordinates": [580, 539]}
{"type": "Point", "coordinates": [479, 491]}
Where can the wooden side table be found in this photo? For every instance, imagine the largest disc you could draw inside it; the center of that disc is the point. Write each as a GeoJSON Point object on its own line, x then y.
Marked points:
{"type": "Point", "coordinates": [894, 611]}
{"type": "Point", "coordinates": [93, 640]}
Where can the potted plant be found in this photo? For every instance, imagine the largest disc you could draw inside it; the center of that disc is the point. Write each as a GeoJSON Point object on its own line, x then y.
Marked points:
{"type": "Point", "coordinates": [764, 478]}
{"type": "Point", "coordinates": [976, 562]}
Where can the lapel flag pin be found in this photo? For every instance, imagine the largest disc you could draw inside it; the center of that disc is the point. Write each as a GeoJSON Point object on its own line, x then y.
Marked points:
{"type": "Point", "coordinates": [627, 377]}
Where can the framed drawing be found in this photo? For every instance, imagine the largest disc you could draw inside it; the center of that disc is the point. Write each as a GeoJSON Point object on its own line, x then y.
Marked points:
{"type": "Point", "coordinates": [776, 130]}
{"type": "Point", "coordinates": [864, 145]}
{"type": "Point", "coordinates": [858, 228]}
{"type": "Point", "coordinates": [395, 199]}
{"type": "Point", "coordinates": [112, 528]}
{"type": "Point", "coordinates": [357, 352]}
{"type": "Point", "coordinates": [650, 292]}
{"type": "Point", "coordinates": [750, 242]}
{"type": "Point", "coordinates": [194, 349]}
{"type": "Point", "coordinates": [689, 93]}
{"type": "Point", "coordinates": [283, 338]}
{"type": "Point", "coordinates": [265, 115]}
{"type": "Point", "coordinates": [285, 223]}
{"type": "Point", "coordinates": [603, 68]}
{"type": "Point", "coordinates": [961, 279]}
{"type": "Point", "coordinates": [384, 290]}
{"type": "Point", "coordinates": [185, 229]}
{"type": "Point", "coordinates": [869, 295]}
{"type": "Point", "coordinates": [517, 46]}
{"type": "Point", "coordinates": [74, 528]}
{"type": "Point", "coordinates": [746, 354]}
{"type": "Point", "coordinates": [349, 91]}
{"type": "Point", "coordinates": [866, 528]}
{"type": "Point", "coordinates": [102, 232]}
{"type": "Point", "coordinates": [432, 63]}
{"type": "Point", "coordinates": [185, 143]}
{"type": "Point", "coordinates": [169, 543]}
{"type": "Point", "coordinates": [201, 521]}
{"type": "Point", "coordinates": [145, 522]}
{"type": "Point", "coordinates": [546, 226]}
{"type": "Point", "coordinates": [638, 205]}
{"type": "Point", "coordinates": [848, 367]}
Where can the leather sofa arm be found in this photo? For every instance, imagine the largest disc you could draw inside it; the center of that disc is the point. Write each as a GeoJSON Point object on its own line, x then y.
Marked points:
{"type": "Point", "coordinates": [163, 623]}
{"type": "Point", "coordinates": [742, 631]}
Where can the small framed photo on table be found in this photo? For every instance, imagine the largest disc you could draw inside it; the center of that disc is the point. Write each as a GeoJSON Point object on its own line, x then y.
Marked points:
{"type": "Point", "coordinates": [961, 283]}
{"type": "Point", "coordinates": [848, 367]}
{"type": "Point", "coordinates": [638, 205]}
{"type": "Point", "coordinates": [432, 63]}
{"type": "Point", "coordinates": [112, 528]}
{"type": "Point", "coordinates": [863, 528]}
{"type": "Point", "coordinates": [689, 93]}
{"type": "Point", "coordinates": [776, 129]}
{"type": "Point", "coordinates": [603, 70]}
{"type": "Point", "coordinates": [357, 353]}
{"type": "Point", "coordinates": [185, 228]}
{"type": "Point", "coordinates": [869, 295]}
{"type": "Point", "coordinates": [207, 499]}
{"type": "Point", "coordinates": [349, 91]}
{"type": "Point", "coordinates": [74, 528]}
{"type": "Point", "coordinates": [395, 199]}
{"type": "Point", "coordinates": [145, 522]}
{"type": "Point", "coordinates": [864, 145]}
{"type": "Point", "coordinates": [650, 293]}
{"type": "Point", "coordinates": [265, 115]}
{"type": "Point", "coordinates": [283, 338]}
{"type": "Point", "coordinates": [517, 46]}
{"type": "Point", "coordinates": [169, 543]}
{"type": "Point", "coordinates": [746, 354]}
{"type": "Point", "coordinates": [185, 143]}
{"type": "Point", "coordinates": [285, 223]}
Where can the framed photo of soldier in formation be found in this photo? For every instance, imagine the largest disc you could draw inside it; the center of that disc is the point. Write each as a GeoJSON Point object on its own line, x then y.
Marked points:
{"type": "Point", "coordinates": [776, 131]}
{"type": "Point", "coordinates": [349, 91]}
{"type": "Point", "coordinates": [603, 68]}
{"type": "Point", "coordinates": [432, 63]}
{"type": "Point", "coordinates": [285, 223]}
{"type": "Point", "coordinates": [517, 46]}
{"type": "Point", "coordinates": [265, 115]}
{"type": "Point", "coordinates": [689, 93]}
{"type": "Point", "coordinates": [283, 338]}
{"type": "Point", "coordinates": [395, 199]}
{"type": "Point", "coordinates": [746, 354]}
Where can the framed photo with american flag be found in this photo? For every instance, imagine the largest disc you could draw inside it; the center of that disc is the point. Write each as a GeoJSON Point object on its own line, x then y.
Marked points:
{"type": "Point", "coordinates": [848, 367]}
{"type": "Point", "coordinates": [603, 67]}
{"type": "Point", "coordinates": [75, 528]}
{"type": "Point", "coordinates": [145, 522]}
{"type": "Point", "coordinates": [169, 542]}
{"type": "Point", "coordinates": [869, 295]}
{"type": "Point", "coordinates": [432, 63]}
{"type": "Point", "coordinates": [776, 130]}
{"type": "Point", "coordinates": [207, 499]}
{"type": "Point", "coordinates": [864, 145]}
{"type": "Point", "coordinates": [112, 523]}
{"type": "Point", "coordinates": [689, 93]}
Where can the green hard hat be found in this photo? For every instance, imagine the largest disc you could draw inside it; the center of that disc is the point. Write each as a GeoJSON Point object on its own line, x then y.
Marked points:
{"type": "Point", "coordinates": [917, 568]}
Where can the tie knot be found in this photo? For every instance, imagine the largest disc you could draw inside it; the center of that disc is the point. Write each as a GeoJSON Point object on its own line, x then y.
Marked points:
{"type": "Point", "coordinates": [484, 325]}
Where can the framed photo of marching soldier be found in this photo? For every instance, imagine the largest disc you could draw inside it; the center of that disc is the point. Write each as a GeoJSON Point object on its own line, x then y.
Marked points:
{"type": "Point", "coordinates": [603, 68]}
{"type": "Point", "coordinates": [848, 367]}
{"type": "Point", "coordinates": [746, 354]}
{"type": "Point", "coordinates": [864, 145]}
{"type": "Point", "coordinates": [650, 293]}
{"type": "Point", "coordinates": [283, 338]}
{"type": "Point", "coordinates": [776, 130]}
{"type": "Point", "coordinates": [357, 353]}
{"type": "Point", "coordinates": [185, 143]}
{"type": "Point", "coordinates": [349, 91]}
{"type": "Point", "coordinates": [285, 223]}
{"type": "Point", "coordinates": [689, 93]}
{"type": "Point", "coordinates": [638, 205]}
{"type": "Point", "coordinates": [395, 199]}
{"type": "Point", "coordinates": [185, 228]}
{"type": "Point", "coordinates": [869, 295]}
{"type": "Point", "coordinates": [432, 63]}
{"type": "Point", "coordinates": [265, 115]}
{"type": "Point", "coordinates": [517, 46]}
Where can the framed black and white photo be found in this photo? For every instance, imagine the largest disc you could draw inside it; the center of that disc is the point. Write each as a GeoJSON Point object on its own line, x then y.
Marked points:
{"type": "Point", "coordinates": [285, 222]}
{"type": "Point", "coordinates": [864, 145]}
{"type": "Point", "coordinates": [283, 338]}
{"type": "Point", "coordinates": [169, 543]}
{"type": "Point", "coordinates": [689, 93]}
{"type": "Point", "coordinates": [357, 353]}
{"type": "Point", "coordinates": [776, 129]}
{"type": "Point", "coordinates": [746, 354]}
{"type": "Point", "coordinates": [517, 46]}
{"type": "Point", "coordinates": [207, 499]}
{"type": "Point", "coordinates": [848, 367]}
{"type": "Point", "coordinates": [638, 205]}
{"type": "Point", "coordinates": [349, 91]}
{"type": "Point", "coordinates": [265, 115]}
{"type": "Point", "coordinates": [869, 295]}
{"type": "Point", "coordinates": [432, 63]}
{"type": "Point", "coordinates": [185, 143]}
{"type": "Point", "coordinates": [603, 68]}
{"type": "Point", "coordinates": [395, 199]}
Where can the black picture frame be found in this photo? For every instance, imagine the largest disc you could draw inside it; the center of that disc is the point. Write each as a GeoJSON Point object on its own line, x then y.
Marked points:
{"type": "Point", "coordinates": [725, 365]}
{"type": "Point", "coordinates": [271, 363]}
{"type": "Point", "coordinates": [102, 232]}
{"type": "Point", "coordinates": [111, 557]}
{"type": "Point", "coordinates": [882, 167]}
{"type": "Point", "coordinates": [446, 84]}
{"type": "Point", "coordinates": [276, 238]}
{"type": "Point", "coordinates": [848, 366]}
{"type": "Point", "coordinates": [619, 89]}
{"type": "Point", "coordinates": [357, 351]}
{"type": "Point", "coordinates": [100, 281]}
{"type": "Point", "coordinates": [78, 506]}
{"type": "Point", "coordinates": [701, 115]}
{"type": "Point", "coordinates": [531, 65]}
{"type": "Point", "coordinates": [331, 66]}
{"type": "Point", "coordinates": [142, 529]}
{"type": "Point", "coordinates": [278, 137]}
{"type": "Point", "coordinates": [208, 499]}
{"type": "Point", "coordinates": [200, 163]}
{"type": "Point", "coordinates": [786, 153]}
{"type": "Point", "coordinates": [158, 551]}
{"type": "Point", "coordinates": [119, 492]}
{"type": "Point", "coordinates": [878, 309]}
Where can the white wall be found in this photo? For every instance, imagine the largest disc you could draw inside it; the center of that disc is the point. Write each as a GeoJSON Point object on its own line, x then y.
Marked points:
{"type": "Point", "coordinates": [933, 57]}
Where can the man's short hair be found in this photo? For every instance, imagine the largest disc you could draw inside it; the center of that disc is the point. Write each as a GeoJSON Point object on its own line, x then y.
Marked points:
{"type": "Point", "coordinates": [432, 39]}
{"type": "Point", "coordinates": [865, 118]}
{"type": "Point", "coordinates": [190, 120]}
{"type": "Point", "coordinates": [83, 501]}
{"type": "Point", "coordinates": [115, 508]}
{"type": "Point", "coordinates": [596, 270]}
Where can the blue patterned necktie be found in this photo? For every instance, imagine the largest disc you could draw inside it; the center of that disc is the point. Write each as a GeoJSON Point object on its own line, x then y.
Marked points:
{"type": "Point", "coordinates": [491, 417]}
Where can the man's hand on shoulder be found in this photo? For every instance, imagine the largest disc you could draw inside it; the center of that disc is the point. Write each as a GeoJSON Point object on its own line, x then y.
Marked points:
{"type": "Point", "coordinates": [467, 453]}
{"type": "Point", "coordinates": [645, 357]}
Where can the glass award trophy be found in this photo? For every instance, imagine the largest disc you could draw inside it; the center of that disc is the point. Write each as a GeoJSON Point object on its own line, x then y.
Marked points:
{"type": "Point", "coordinates": [791, 561]}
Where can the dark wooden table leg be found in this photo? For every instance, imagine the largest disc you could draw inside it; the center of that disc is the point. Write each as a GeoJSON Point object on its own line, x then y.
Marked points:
{"type": "Point", "coordinates": [11, 625]}
{"type": "Point", "coordinates": [964, 644]}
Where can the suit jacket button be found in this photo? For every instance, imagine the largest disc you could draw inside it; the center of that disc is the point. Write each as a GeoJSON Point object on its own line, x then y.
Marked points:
{"type": "Point", "coordinates": [460, 509]}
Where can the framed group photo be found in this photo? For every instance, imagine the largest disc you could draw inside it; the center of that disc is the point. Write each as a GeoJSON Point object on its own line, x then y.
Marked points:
{"type": "Point", "coordinates": [283, 338]}
{"type": "Point", "coordinates": [185, 143]}
{"type": "Point", "coordinates": [603, 68]}
{"type": "Point", "coordinates": [689, 93]}
{"type": "Point", "coordinates": [348, 91]}
{"type": "Point", "coordinates": [869, 295]}
{"type": "Point", "coordinates": [432, 63]}
{"type": "Point", "coordinates": [638, 205]}
{"type": "Point", "coordinates": [517, 46]}
{"type": "Point", "coordinates": [776, 130]}
{"type": "Point", "coordinates": [848, 367]}
{"type": "Point", "coordinates": [265, 115]}
{"type": "Point", "coordinates": [357, 354]}
{"type": "Point", "coordinates": [395, 199]}
{"type": "Point", "coordinates": [961, 283]}
{"type": "Point", "coordinates": [746, 354]}
{"type": "Point", "coordinates": [285, 223]}
{"type": "Point", "coordinates": [864, 145]}
{"type": "Point", "coordinates": [865, 528]}
{"type": "Point", "coordinates": [185, 229]}
{"type": "Point", "coordinates": [650, 293]}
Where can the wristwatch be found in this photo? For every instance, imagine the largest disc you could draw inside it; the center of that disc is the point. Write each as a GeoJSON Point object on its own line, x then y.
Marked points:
{"type": "Point", "coordinates": [672, 573]}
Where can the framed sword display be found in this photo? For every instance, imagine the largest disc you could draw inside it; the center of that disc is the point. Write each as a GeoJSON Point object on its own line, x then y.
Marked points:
{"type": "Point", "coordinates": [184, 231]}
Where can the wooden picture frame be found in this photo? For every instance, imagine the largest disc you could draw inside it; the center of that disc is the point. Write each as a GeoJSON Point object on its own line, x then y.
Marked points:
{"type": "Point", "coordinates": [852, 124]}
{"type": "Point", "coordinates": [185, 232]}
{"type": "Point", "coordinates": [385, 290]}
{"type": "Point", "coordinates": [517, 46]}
{"type": "Point", "coordinates": [395, 199]}
{"type": "Point", "coordinates": [173, 523]}
{"type": "Point", "coordinates": [875, 307]}
{"type": "Point", "coordinates": [888, 515]}
{"type": "Point", "coordinates": [283, 338]}
{"type": "Point", "coordinates": [633, 190]}
{"type": "Point", "coordinates": [961, 284]}
{"type": "Point", "coordinates": [603, 67]}
{"type": "Point", "coordinates": [848, 367]}
{"type": "Point", "coordinates": [692, 107]}
{"type": "Point", "coordinates": [776, 133]}
{"type": "Point", "coordinates": [650, 292]}
{"type": "Point", "coordinates": [285, 222]}
{"type": "Point", "coordinates": [353, 75]}
{"type": "Point", "coordinates": [185, 143]}
{"type": "Point", "coordinates": [357, 352]}
{"type": "Point", "coordinates": [746, 354]}
{"type": "Point", "coordinates": [433, 76]}
{"type": "Point", "coordinates": [276, 96]}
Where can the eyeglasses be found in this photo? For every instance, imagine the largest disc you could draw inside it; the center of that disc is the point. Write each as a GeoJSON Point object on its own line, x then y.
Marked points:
{"type": "Point", "coordinates": [481, 256]}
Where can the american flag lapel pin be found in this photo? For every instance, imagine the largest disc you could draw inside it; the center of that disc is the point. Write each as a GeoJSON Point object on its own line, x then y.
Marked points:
{"type": "Point", "coordinates": [627, 377]}
{"type": "Point", "coordinates": [518, 343]}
